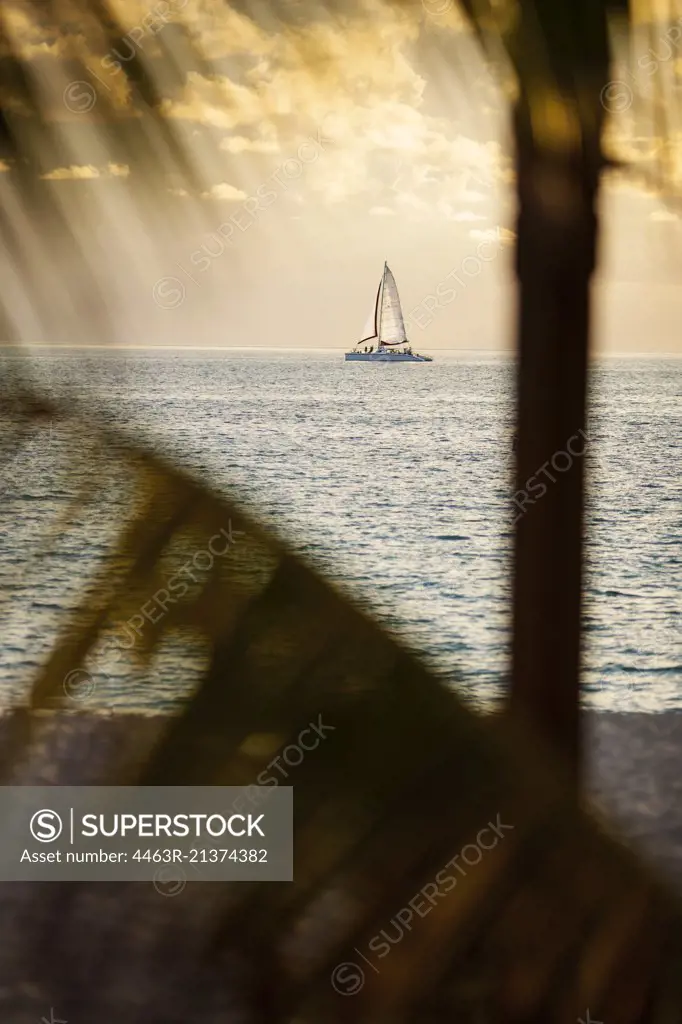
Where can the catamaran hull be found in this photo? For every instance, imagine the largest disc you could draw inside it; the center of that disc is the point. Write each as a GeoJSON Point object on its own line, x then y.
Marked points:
{"type": "Point", "coordinates": [382, 357]}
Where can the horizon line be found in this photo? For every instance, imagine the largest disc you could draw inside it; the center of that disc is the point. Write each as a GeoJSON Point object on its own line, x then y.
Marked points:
{"type": "Point", "coordinates": [504, 352]}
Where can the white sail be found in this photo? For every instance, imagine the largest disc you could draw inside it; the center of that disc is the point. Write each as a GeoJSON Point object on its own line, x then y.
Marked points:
{"type": "Point", "coordinates": [369, 332]}
{"type": "Point", "coordinates": [391, 325]}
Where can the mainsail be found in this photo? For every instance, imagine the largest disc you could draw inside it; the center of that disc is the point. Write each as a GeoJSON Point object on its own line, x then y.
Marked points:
{"type": "Point", "coordinates": [385, 321]}
{"type": "Point", "coordinates": [391, 326]}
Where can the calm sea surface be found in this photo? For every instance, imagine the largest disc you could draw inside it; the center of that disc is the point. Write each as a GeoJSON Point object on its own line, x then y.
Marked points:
{"type": "Point", "coordinates": [395, 480]}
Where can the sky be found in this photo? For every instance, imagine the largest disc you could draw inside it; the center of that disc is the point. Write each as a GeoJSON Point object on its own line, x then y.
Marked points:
{"type": "Point", "coordinates": [320, 142]}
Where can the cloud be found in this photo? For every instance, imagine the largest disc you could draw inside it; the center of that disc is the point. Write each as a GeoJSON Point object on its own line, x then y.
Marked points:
{"type": "Point", "coordinates": [466, 216]}
{"type": "Point", "coordinates": [240, 144]}
{"type": "Point", "coordinates": [504, 236]}
{"type": "Point", "coordinates": [618, 181]}
{"type": "Point", "coordinates": [72, 173]}
{"type": "Point", "coordinates": [261, 89]}
{"type": "Point", "coordinates": [217, 102]}
{"type": "Point", "coordinates": [354, 77]}
{"type": "Point", "coordinates": [225, 192]}
{"type": "Point", "coordinates": [451, 211]}
{"type": "Point", "coordinates": [27, 34]}
{"type": "Point", "coordinates": [410, 201]}
{"type": "Point", "coordinates": [84, 172]}
{"type": "Point", "coordinates": [664, 216]}
{"type": "Point", "coordinates": [381, 211]}
{"type": "Point", "coordinates": [220, 31]}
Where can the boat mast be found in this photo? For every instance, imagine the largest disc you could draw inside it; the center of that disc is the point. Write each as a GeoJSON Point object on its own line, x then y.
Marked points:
{"type": "Point", "coordinates": [381, 303]}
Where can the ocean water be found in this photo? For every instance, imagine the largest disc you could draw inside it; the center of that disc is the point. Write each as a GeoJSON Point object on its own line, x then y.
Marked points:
{"type": "Point", "coordinates": [394, 480]}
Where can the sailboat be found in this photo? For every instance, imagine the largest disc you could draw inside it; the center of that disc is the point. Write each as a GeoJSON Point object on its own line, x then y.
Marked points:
{"type": "Point", "coordinates": [384, 337]}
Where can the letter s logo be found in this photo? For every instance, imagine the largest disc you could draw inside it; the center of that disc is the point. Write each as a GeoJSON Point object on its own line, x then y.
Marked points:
{"type": "Point", "coordinates": [46, 826]}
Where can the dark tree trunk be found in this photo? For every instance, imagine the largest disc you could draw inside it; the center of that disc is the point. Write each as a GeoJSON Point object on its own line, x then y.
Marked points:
{"type": "Point", "coordinates": [561, 55]}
